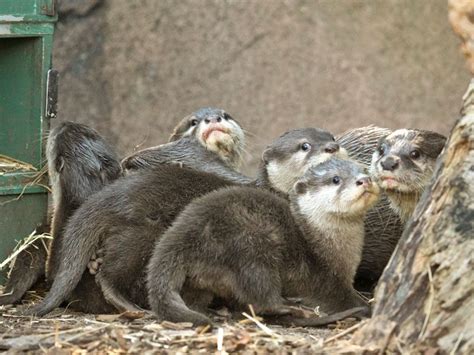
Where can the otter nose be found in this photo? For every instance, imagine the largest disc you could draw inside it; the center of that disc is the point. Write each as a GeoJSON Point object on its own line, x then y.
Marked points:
{"type": "Point", "coordinates": [213, 119]}
{"type": "Point", "coordinates": [331, 148]}
{"type": "Point", "coordinates": [389, 163]}
{"type": "Point", "coordinates": [364, 181]}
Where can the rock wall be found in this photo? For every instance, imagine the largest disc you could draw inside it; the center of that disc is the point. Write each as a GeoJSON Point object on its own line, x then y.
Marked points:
{"type": "Point", "coordinates": [133, 68]}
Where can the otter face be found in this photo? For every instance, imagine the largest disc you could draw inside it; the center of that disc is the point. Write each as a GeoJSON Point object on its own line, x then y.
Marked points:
{"type": "Point", "coordinates": [217, 131]}
{"type": "Point", "coordinates": [335, 187]}
{"type": "Point", "coordinates": [288, 157]}
{"type": "Point", "coordinates": [404, 160]}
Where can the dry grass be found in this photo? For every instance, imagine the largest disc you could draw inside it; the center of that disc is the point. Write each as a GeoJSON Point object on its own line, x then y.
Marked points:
{"type": "Point", "coordinates": [71, 332]}
{"type": "Point", "coordinates": [9, 164]}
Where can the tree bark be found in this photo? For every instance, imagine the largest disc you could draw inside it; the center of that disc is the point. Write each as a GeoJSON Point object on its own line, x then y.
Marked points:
{"type": "Point", "coordinates": [425, 298]}
{"type": "Point", "coordinates": [461, 17]}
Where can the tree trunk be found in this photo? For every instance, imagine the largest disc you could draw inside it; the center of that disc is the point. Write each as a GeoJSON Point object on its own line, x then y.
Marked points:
{"type": "Point", "coordinates": [461, 16]}
{"type": "Point", "coordinates": [425, 298]}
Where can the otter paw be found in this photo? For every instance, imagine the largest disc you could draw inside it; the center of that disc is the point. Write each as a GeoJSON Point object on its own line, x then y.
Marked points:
{"type": "Point", "coordinates": [95, 262]}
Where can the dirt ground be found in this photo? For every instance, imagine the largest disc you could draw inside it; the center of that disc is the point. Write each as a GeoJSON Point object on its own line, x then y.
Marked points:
{"type": "Point", "coordinates": [68, 332]}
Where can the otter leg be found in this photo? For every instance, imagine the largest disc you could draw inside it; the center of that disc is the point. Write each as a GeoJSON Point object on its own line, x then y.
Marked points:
{"type": "Point", "coordinates": [260, 286]}
{"type": "Point", "coordinates": [197, 299]}
{"type": "Point", "coordinates": [114, 297]}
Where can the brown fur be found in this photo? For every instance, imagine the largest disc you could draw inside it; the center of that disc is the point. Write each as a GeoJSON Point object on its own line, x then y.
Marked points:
{"type": "Point", "coordinates": [248, 246]}
{"type": "Point", "coordinates": [383, 227]}
{"type": "Point", "coordinates": [403, 164]}
{"type": "Point", "coordinates": [28, 269]}
{"type": "Point", "coordinates": [80, 163]}
{"type": "Point", "coordinates": [132, 214]}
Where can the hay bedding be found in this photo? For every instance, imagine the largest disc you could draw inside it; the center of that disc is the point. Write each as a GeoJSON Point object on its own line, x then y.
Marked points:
{"type": "Point", "coordinates": [65, 331]}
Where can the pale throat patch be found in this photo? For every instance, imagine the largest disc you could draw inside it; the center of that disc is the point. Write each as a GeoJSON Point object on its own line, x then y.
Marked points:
{"type": "Point", "coordinates": [338, 235]}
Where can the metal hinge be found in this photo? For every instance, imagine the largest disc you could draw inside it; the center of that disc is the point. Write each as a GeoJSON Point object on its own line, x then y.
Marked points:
{"type": "Point", "coordinates": [49, 8]}
{"type": "Point", "coordinates": [52, 93]}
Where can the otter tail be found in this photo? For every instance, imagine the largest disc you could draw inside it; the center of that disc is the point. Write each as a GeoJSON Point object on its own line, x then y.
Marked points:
{"type": "Point", "coordinates": [28, 268]}
{"type": "Point", "coordinates": [166, 276]}
{"type": "Point", "coordinates": [356, 312]}
{"type": "Point", "coordinates": [80, 240]}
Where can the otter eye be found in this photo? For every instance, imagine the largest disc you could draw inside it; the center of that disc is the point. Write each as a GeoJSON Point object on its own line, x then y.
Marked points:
{"type": "Point", "coordinates": [415, 154]}
{"type": "Point", "coordinates": [382, 150]}
{"type": "Point", "coordinates": [226, 116]}
{"type": "Point", "coordinates": [336, 180]}
{"type": "Point", "coordinates": [194, 122]}
{"type": "Point", "coordinates": [305, 146]}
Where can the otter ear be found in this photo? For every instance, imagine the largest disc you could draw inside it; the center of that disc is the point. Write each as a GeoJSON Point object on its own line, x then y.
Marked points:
{"type": "Point", "coordinates": [59, 164]}
{"type": "Point", "coordinates": [300, 187]}
{"type": "Point", "coordinates": [265, 155]}
{"type": "Point", "coordinates": [180, 128]}
{"type": "Point", "coordinates": [434, 142]}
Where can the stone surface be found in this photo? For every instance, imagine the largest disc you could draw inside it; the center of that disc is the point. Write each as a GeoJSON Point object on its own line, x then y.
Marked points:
{"type": "Point", "coordinates": [132, 69]}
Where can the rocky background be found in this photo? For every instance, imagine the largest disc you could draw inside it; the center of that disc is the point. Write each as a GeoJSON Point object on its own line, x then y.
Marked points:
{"type": "Point", "coordinates": [132, 69]}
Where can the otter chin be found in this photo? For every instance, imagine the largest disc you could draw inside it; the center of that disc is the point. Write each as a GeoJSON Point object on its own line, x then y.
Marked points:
{"type": "Point", "coordinates": [222, 136]}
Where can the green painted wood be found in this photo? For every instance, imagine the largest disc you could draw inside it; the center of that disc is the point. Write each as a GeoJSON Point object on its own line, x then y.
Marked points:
{"type": "Point", "coordinates": [26, 43]}
{"type": "Point", "coordinates": [18, 219]}
{"type": "Point", "coordinates": [20, 98]}
{"type": "Point", "coordinates": [27, 11]}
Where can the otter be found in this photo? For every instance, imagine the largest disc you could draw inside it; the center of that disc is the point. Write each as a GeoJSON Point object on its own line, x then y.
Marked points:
{"type": "Point", "coordinates": [80, 163]}
{"type": "Point", "coordinates": [253, 247]}
{"type": "Point", "coordinates": [403, 164]}
{"type": "Point", "coordinates": [187, 152]}
{"type": "Point", "coordinates": [383, 226]}
{"type": "Point", "coordinates": [216, 131]}
{"type": "Point", "coordinates": [131, 214]}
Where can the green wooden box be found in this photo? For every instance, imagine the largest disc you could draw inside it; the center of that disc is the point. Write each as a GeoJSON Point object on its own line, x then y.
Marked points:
{"type": "Point", "coordinates": [26, 43]}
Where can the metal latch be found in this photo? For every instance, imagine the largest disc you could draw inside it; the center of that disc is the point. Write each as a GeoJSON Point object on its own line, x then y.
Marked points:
{"type": "Point", "coordinates": [52, 93]}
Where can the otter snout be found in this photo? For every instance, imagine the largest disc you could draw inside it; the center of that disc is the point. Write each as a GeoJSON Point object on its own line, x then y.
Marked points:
{"type": "Point", "coordinates": [331, 148]}
{"type": "Point", "coordinates": [390, 163]}
{"type": "Point", "coordinates": [214, 119]}
{"type": "Point", "coordinates": [364, 181]}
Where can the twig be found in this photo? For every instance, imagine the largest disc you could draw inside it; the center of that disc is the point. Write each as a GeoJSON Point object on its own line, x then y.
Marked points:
{"type": "Point", "coordinates": [261, 325]}
{"type": "Point", "coordinates": [341, 334]}
{"type": "Point", "coordinates": [220, 338]}
{"type": "Point", "coordinates": [456, 345]}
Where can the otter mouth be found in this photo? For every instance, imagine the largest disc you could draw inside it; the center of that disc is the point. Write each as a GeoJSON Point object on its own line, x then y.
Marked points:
{"type": "Point", "coordinates": [389, 182]}
{"type": "Point", "coordinates": [367, 194]}
{"type": "Point", "coordinates": [214, 130]}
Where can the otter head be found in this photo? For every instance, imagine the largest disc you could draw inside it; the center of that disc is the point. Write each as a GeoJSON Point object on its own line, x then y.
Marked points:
{"type": "Point", "coordinates": [333, 198]}
{"type": "Point", "coordinates": [288, 157]}
{"type": "Point", "coordinates": [403, 164]}
{"type": "Point", "coordinates": [217, 131]}
{"type": "Point", "coordinates": [336, 187]}
{"type": "Point", "coordinates": [81, 157]}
